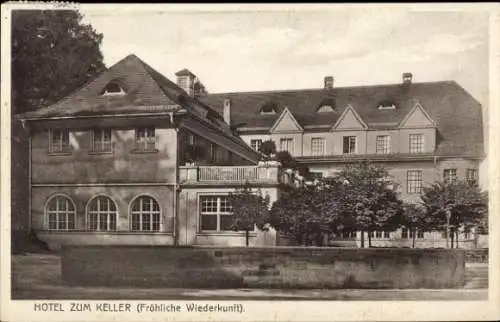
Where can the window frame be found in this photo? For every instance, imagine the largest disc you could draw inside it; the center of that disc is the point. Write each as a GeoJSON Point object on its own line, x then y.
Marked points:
{"type": "Point", "coordinates": [101, 142]}
{"type": "Point", "coordinates": [325, 108]}
{"type": "Point", "coordinates": [148, 141]}
{"type": "Point", "coordinates": [67, 213]}
{"type": "Point", "coordinates": [351, 139]}
{"type": "Point", "coordinates": [475, 178]}
{"type": "Point", "coordinates": [257, 145]}
{"type": "Point", "coordinates": [414, 189]}
{"type": "Point", "coordinates": [218, 213]}
{"type": "Point", "coordinates": [322, 147]}
{"type": "Point", "coordinates": [416, 143]}
{"type": "Point", "coordinates": [384, 144]}
{"type": "Point", "coordinates": [63, 147]}
{"type": "Point", "coordinates": [141, 212]}
{"type": "Point", "coordinates": [450, 175]}
{"type": "Point", "coordinates": [108, 213]}
{"type": "Point", "coordinates": [105, 91]}
{"type": "Point", "coordinates": [290, 143]}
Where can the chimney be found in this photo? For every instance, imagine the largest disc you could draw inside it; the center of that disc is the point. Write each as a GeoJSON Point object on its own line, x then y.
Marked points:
{"type": "Point", "coordinates": [186, 80]}
{"type": "Point", "coordinates": [227, 111]}
{"type": "Point", "coordinates": [328, 82]}
{"type": "Point", "coordinates": [407, 77]}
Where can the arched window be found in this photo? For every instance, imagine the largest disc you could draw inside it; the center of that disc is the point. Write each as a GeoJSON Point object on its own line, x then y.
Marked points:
{"type": "Point", "coordinates": [268, 108]}
{"type": "Point", "coordinates": [113, 88]}
{"type": "Point", "coordinates": [61, 213]}
{"type": "Point", "coordinates": [101, 214]}
{"type": "Point", "coordinates": [327, 105]}
{"type": "Point", "coordinates": [145, 214]}
{"type": "Point", "coordinates": [325, 109]}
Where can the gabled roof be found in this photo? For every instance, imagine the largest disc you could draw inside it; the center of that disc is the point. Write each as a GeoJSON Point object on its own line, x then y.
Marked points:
{"type": "Point", "coordinates": [350, 111]}
{"type": "Point", "coordinates": [146, 92]}
{"type": "Point", "coordinates": [418, 115]}
{"type": "Point", "coordinates": [144, 86]}
{"type": "Point", "coordinates": [286, 115]}
{"type": "Point", "coordinates": [454, 110]}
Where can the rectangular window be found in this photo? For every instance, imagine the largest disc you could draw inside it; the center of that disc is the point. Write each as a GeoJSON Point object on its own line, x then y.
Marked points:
{"type": "Point", "coordinates": [349, 145]}
{"type": "Point", "coordinates": [255, 144]}
{"type": "Point", "coordinates": [420, 234]}
{"type": "Point", "coordinates": [383, 144]}
{"type": "Point", "coordinates": [145, 139]}
{"type": "Point", "coordinates": [286, 145]}
{"type": "Point", "coordinates": [387, 234]}
{"type": "Point", "coordinates": [349, 234]}
{"type": "Point", "coordinates": [449, 175]}
{"type": "Point", "coordinates": [378, 234]}
{"type": "Point", "coordinates": [472, 176]}
{"type": "Point", "coordinates": [59, 141]}
{"type": "Point", "coordinates": [404, 233]}
{"type": "Point", "coordinates": [101, 140]}
{"type": "Point", "coordinates": [416, 143]}
{"type": "Point", "coordinates": [215, 214]}
{"type": "Point", "coordinates": [317, 146]}
{"type": "Point", "coordinates": [414, 181]}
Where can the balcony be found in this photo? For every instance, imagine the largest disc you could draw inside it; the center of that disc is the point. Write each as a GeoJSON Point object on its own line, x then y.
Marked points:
{"type": "Point", "coordinates": [233, 175]}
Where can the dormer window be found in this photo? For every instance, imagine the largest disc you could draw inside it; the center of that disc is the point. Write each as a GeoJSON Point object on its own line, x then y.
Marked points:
{"type": "Point", "coordinates": [268, 108]}
{"type": "Point", "coordinates": [113, 88]}
{"type": "Point", "coordinates": [386, 105]}
{"type": "Point", "coordinates": [325, 109]}
{"type": "Point", "coordinates": [326, 106]}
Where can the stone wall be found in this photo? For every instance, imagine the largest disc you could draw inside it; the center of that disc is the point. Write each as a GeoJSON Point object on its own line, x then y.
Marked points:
{"type": "Point", "coordinates": [280, 267]}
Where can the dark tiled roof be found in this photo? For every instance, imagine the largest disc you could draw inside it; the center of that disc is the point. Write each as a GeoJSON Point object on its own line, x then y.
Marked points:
{"type": "Point", "coordinates": [143, 88]}
{"type": "Point", "coordinates": [457, 114]}
{"type": "Point", "coordinates": [147, 91]}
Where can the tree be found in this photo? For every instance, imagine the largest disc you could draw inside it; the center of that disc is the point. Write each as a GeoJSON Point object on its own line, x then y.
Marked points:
{"type": "Point", "coordinates": [454, 206]}
{"type": "Point", "coordinates": [53, 53]}
{"type": "Point", "coordinates": [370, 198]}
{"type": "Point", "coordinates": [286, 160]}
{"type": "Point", "coordinates": [249, 210]}
{"type": "Point", "coordinates": [414, 218]}
{"type": "Point", "coordinates": [268, 148]}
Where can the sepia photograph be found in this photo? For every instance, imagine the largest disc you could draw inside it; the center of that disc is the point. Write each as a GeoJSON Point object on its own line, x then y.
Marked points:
{"type": "Point", "coordinates": [210, 159]}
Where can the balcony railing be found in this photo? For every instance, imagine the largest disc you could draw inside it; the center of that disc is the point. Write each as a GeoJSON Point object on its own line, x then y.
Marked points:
{"type": "Point", "coordinates": [232, 174]}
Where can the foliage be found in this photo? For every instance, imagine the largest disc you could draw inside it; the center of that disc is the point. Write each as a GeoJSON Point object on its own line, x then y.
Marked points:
{"type": "Point", "coordinates": [249, 210]}
{"type": "Point", "coordinates": [286, 160]}
{"type": "Point", "coordinates": [415, 218]}
{"type": "Point", "coordinates": [371, 198]}
{"type": "Point", "coordinates": [268, 148]}
{"type": "Point", "coordinates": [297, 215]}
{"type": "Point", "coordinates": [360, 197]}
{"type": "Point", "coordinates": [53, 53]}
{"type": "Point", "coordinates": [465, 204]}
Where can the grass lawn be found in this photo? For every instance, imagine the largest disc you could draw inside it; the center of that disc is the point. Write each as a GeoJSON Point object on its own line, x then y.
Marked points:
{"type": "Point", "coordinates": [38, 276]}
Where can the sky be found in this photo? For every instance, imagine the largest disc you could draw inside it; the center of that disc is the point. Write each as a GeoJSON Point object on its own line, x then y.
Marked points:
{"type": "Point", "coordinates": [265, 50]}
{"type": "Point", "coordinates": [258, 50]}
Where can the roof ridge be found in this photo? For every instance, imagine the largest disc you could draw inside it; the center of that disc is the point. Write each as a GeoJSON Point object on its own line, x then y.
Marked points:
{"type": "Point", "coordinates": [328, 90]}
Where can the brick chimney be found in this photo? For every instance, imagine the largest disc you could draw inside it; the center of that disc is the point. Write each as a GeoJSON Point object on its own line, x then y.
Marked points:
{"type": "Point", "coordinates": [328, 82]}
{"type": "Point", "coordinates": [407, 78]}
{"type": "Point", "coordinates": [227, 111]}
{"type": "Point", "coordinates": [186, 80]}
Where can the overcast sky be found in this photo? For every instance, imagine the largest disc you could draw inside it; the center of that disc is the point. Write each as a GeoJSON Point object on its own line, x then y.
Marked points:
{"type": "Point", "coordinates": [265, 50]}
